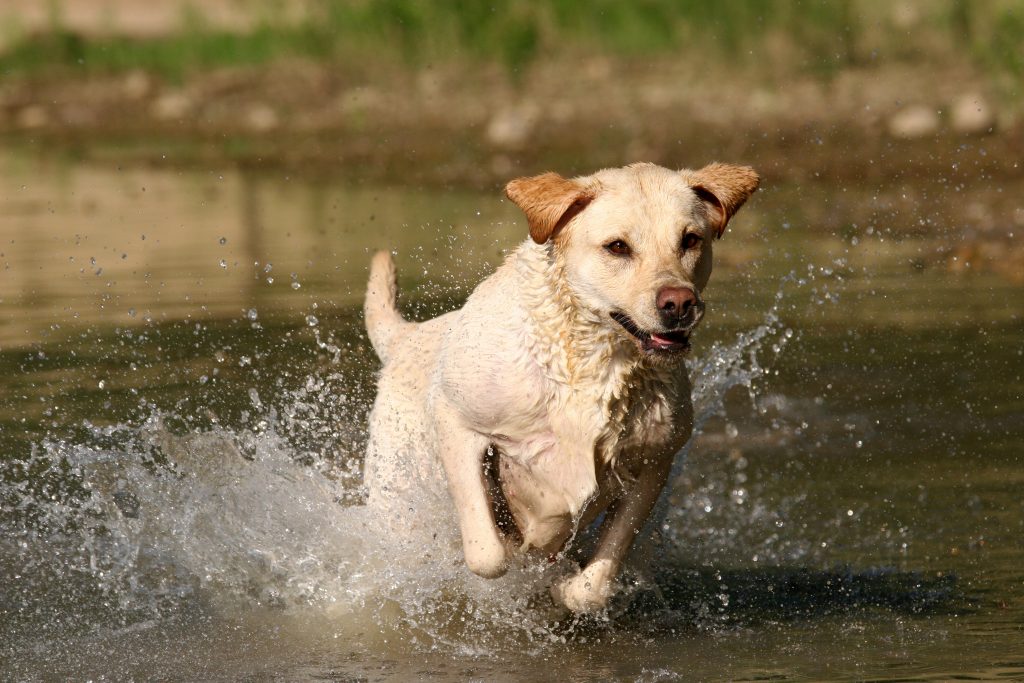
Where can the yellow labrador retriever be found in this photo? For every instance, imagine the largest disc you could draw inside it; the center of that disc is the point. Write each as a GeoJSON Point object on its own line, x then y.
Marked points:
{"type": "Point", "coordinates": [558, 390]}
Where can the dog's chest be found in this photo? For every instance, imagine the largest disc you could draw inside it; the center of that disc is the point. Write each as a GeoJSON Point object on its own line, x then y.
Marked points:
{"type": "Point", "coordinates": [630, 417]}
{"type": "Point", "coordinates": [603, 421]}
{"type": "Point", "coordinates": [591, 443]}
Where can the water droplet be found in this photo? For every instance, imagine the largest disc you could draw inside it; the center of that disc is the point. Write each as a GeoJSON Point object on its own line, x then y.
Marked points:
{"type": "Point", "coordinates": [223, 240]}
{"type": "Point", "coordinates": [311, 320]}
{"type": "Point", "coordinates": [131, 312]}
{"type": "Point", "coordinates": [102, 384]}
{"type": "Point", "coordinates": [223, 263]}
{"type": "Point", "coordinates": [251, 314]}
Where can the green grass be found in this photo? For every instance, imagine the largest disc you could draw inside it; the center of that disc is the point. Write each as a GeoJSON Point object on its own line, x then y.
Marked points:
{"type": "Point", "coordinates": [172, 56]}
{"type": "Point", "coordinates": [819, 36]}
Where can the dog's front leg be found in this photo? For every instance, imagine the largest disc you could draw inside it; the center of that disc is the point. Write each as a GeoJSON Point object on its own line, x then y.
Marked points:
{"type": "Point", "coordinates": [462, 452]}
{"type": "Point", "coordinates": [590, 589]}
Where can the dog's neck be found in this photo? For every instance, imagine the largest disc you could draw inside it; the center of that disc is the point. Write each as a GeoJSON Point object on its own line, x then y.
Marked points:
{"type": "Point", "coordinates": [587, 359]}
{"type": "Point", "coordinates": [573, 344]}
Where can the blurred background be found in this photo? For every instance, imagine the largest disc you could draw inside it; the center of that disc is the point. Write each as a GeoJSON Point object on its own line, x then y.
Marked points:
{"type": "Point", "coordinates": [472, 92]}
{"type": "Point", "coordinates": [904, 115]}
{"type": "Point", "coordinates": [189, 195]}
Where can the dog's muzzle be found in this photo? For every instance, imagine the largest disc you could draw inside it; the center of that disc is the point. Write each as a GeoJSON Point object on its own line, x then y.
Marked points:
{"type": "Point", "coordinates": [678, 307]}
{"type": "Point", "coordinates": [668, 342]}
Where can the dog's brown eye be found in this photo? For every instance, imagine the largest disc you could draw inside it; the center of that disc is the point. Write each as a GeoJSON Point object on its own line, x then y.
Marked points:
{"type": "Point", "coordinates": [690, 240]}
{"type": "Point", "coordinates": [619, 248]}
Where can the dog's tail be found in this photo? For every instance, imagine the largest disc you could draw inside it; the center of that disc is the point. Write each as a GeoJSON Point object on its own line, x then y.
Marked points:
{"type": "Point", "coordinates": [383, 321]}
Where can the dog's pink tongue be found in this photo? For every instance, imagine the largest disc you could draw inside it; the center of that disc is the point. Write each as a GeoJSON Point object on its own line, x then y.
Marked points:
{"type": "Point", "coordinates": [661, 343]}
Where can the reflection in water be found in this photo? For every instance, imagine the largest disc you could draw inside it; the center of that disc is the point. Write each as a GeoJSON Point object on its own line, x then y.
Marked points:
{"type": "Point", "coordinates": [253, 229]}
{"type": "Point", "coordinates": [720, 598]}
{"type": "Point", "coordinates": [179, 477]}
{"type": "Point", "coordinates": [94, 244]}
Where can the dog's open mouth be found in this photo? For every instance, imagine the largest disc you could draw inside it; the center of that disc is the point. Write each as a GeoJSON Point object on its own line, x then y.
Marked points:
{"type": "Point", "coordinates": [673, 341]}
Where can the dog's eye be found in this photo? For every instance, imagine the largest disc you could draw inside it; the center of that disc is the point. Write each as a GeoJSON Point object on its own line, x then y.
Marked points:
{"type": "Point", "coordinates": [619, 248]}
{"type": "Point", "coordinates": [690, 240]}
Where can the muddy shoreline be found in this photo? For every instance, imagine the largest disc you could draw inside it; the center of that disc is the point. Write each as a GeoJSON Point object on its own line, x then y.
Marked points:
{"type": "Point", "coordinates": [475, 127]}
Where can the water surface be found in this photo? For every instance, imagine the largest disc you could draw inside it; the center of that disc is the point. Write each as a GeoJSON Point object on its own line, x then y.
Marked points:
{"type": "Point", "coordinates": [182, 413]}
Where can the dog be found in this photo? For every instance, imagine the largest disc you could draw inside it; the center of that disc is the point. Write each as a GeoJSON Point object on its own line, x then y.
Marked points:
{"type": "Point", "coordinates": [558, 391]}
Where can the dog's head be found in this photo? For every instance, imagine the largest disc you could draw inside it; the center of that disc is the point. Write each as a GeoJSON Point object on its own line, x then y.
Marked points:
{"type": "Point", "coordinates": [636, 242]}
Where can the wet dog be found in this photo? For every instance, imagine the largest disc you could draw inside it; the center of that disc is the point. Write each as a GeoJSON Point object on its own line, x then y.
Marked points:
{"type": "Point", "coordinates": [558, 391]}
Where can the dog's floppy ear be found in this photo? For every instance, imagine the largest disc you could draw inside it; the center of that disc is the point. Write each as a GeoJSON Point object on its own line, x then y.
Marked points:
{"type": "Point", "coordinates": [549, 202]}
{"type": "Point", "coordinates": [723, 188]}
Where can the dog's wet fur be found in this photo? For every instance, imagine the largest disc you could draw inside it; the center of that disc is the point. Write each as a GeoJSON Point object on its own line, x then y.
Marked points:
{"type": "Point", "coordinates": [557, 392]}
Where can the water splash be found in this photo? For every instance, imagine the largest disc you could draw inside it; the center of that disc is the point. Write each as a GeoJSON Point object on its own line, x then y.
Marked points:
{"type": "Point", "coordinates": [148, 522]}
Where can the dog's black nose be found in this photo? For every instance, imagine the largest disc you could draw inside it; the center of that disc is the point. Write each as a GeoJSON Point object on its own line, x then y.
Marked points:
{"type": "Point", "coordinates": [674, 303]}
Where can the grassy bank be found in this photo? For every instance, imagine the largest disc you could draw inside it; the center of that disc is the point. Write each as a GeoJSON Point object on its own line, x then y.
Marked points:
{"type": "Point", "coordinates": [819, 37]}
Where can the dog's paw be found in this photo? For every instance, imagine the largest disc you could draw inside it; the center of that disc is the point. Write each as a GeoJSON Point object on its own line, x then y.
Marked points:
{"type": "Point", "coordinates": [585, 592]}
{"type": "Point", "coordinates": [485, 559]}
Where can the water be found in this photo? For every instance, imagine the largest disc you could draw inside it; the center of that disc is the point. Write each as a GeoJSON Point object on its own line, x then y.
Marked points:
{"type": "Point", "coordinates": [183, 411]}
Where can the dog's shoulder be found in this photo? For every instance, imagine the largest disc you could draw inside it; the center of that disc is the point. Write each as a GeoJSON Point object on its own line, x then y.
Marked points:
{"type": "Point", "coordinates": [486, 365]}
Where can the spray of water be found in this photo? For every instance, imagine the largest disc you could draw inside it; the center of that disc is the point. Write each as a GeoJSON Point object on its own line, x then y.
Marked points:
{"type": "Point", "coordinates": [158, 523]}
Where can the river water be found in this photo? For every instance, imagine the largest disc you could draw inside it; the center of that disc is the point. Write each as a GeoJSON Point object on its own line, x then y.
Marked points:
{"type": "Point", "coordinates": [182, 414]}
